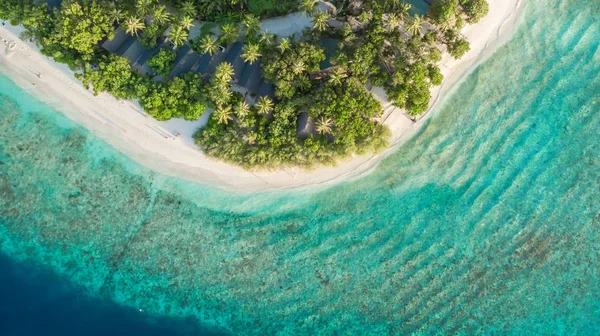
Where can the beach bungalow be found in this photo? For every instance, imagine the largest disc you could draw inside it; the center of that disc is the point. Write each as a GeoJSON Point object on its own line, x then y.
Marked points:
{"type": "Point", "coordinates": [147, 54]}
{"type": "Point", "coordinates": [252, 76]}
{"type": "Point", "coordinates": [218, 58]}
{"type": "Point", "coordinates": [266, 89]}
{"type": "Point", "coordinates": [234, 57]}
{"type": "Point", "coordinates": [120, 36]}
{"type": "Point", "coordinates": [133, 50]}
{"type": "Point", "coordinates": [185, 61]}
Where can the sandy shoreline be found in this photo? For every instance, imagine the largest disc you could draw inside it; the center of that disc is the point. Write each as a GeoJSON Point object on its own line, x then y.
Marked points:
{"type": "Point", "coordinates": [151, 143]}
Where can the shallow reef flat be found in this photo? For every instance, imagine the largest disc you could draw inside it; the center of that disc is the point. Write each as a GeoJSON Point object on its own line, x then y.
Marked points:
{"type": "Point", "coordinates": [485, 222]}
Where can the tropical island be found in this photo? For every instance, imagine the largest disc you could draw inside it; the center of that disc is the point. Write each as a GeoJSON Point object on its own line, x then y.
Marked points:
{"type": "Point", "coordinates": [276, 99]}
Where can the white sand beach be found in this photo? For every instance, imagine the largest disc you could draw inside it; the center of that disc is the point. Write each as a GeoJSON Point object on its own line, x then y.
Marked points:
{"type": "Point", "coordinates": [125, 126]}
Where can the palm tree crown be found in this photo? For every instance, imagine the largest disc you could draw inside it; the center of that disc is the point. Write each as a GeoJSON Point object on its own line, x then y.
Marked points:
{"type": "Point", "coordinates": [251, 53]}
{"type": "Point", "coordinates": [186, 22]}
{"type": "Point", "coordinates": [242, 109]}
{"type": "Point", "coordinates": [251, 25]}
{"type": "Point", "coordinates": [230, 32]}
{"type": "Point", "coordinates": [224, 72]}
{"type": "Point", "coordinates": [324, 125]}
{"type": "Point", "coordinates": [320, 21]}
{"type": "Point", "coordinates": [337, 76]}
{"type": "Point", "coordinates": [416, 25]}
{"type": "Point", "coordinates": [224, 114]}
{"type": "Point", "coordinates": [161, 16]}
{"type": "Point", "coordinates": [144, 7]}
{"type": "Point", "coordinates": [208, 44]}
{"type": "Point", "coordinates": [284, 45]}
{"type": "Point", "coordinates": [308, 6]}
{"type": "Point", "coordinates": [134, 25]}
{"type": "Point", "coordinates": [188, 9]}
{"type": "Point", "coordinates": [178, 36]}
{"type": "Point", "coordinates": [298, 67]}
{"type": "Point", "coordinates": [264, 105]}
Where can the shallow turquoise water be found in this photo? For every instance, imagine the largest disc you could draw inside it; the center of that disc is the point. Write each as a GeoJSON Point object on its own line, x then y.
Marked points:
{"type": "Point", "coordinates": [487, 222]}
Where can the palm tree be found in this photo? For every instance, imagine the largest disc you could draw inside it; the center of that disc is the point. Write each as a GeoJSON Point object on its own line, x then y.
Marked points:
{"type": "Point", "coordinates": [144, 7]}
{"type": "Point", "coordinates": [415, 26]}
{"type": "Point", "coordinates": [208, 44]}
{"type": "Point", "coordinates": [308, 6]}
{"type": "Point", "coordinates": [284, 45]}
{"type": "Point", "coordinates": [242, 109]}
{"type": "Point", "coordinates": [393, 20]}
{"type": "Point", "coordinates": [298, 67]}
{"type": "Point", "coordinates": [403, 11]}
{"type": "Point", "coordinates": [264, 105]}
{"type": "Point", "coordinates": [445, 25]}
{"type": "Point", "coordinates": [320, 21]}
{"type": "Point", "coordinates": [188, 9]}
{"type": "Point", "coordinates": [161, 16]}
{"type": "Point", "coordinates": [349, 35]}
{"type": "Point", "coordinates": [337, 76]}
{"type": "Point", "coordinates": [251, 53]}
{"type": "Point", "coordinates": [134, 25]}
{"type": "Point", "coordinates": [324, 125]}
{"type": "Point", "coordinates": [115, 13]}
{"type": "Point", "coordinates": [251, 25]}
{"type": "Point", "coordinates": [230, 32]}
{"type": "Point", "coordinates": [186, 22]}
{"type": "Point", "coordinates": [224, 72]}
{"type": "Point", "coordinates": [224, 114]}
{"type": "Point", "coordinates": [266, 39]}
{"type": "Point", "coordinates": [178, 36]}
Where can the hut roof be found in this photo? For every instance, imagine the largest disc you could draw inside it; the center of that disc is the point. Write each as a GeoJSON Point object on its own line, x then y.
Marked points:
{"type": "Point", "coordinates": [132, 49]}
{"type": "Point", "coordinates": [185, 64]}
{"type": "Point", "coordinates": [113, 45]}
{"type": "Point", "coordinates": [218, 58]}
{"type": "Point", "coordinates": [234, 58]}
{"type": "Point", "coordinates": [266, 89]}
{"type": "Point", "coordinates": [252, 76]}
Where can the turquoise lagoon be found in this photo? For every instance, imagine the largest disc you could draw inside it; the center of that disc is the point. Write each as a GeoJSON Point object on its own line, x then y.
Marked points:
{"type": "Point", "coordinates": [486, 222]}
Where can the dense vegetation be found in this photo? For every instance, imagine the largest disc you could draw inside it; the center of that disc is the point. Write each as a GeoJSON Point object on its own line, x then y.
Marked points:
{"type": "Point", "coordinates": [318, 114]}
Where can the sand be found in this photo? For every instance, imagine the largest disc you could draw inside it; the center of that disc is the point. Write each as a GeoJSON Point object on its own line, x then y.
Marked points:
{"type": "Point", "coordinates": [152, 143]}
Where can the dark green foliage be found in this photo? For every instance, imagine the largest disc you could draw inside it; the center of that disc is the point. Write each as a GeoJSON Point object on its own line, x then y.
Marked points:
{"type": "Point", "coordinates": [457, 46]}
{"type": "Point", "coordinates": [475, 9]}
{"type": "Point", "coordinates": [269, 8]}
{"type": "Point", "coordinates": [163, 61]}
{"type": "Point", "coordinates": [114, 76]}
{"type": "Point", "coordinates": [443, 11]}
{"type": "Point", "coordinates": [181, 97]}
{"type": "Point", "coordinates": [259, 140]}
{"type": "Point", "coordinates": [81, 25]}
{"type": "Point", "coordinates": [290, 70]}
{"type": "Point", "coordinates": [149, 36]}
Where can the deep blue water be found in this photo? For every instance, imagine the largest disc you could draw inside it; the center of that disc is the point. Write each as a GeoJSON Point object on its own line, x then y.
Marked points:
{"type": "Point", "coordinates": [36, 301]}
{"type": "Point", "coordinates": [486, 222]}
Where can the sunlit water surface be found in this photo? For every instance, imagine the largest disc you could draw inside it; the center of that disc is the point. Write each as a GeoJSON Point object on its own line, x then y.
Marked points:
{"type": "Point", "coordinates": [488, 221]}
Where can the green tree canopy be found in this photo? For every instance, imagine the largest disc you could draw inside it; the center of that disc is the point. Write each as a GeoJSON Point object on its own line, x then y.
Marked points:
{"type": "Point", "coordinates": [80, 25]}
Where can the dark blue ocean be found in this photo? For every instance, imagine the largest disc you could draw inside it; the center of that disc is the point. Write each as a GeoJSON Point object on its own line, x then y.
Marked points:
{"type": "Point", "coordinates": [36, 301]}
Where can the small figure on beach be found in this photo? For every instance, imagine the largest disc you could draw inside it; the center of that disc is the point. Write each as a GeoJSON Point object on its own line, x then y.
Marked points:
{"type": "Point", "coordinates": [177, 135]}
{"type": "Point", "coordinates": [39, 75]}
